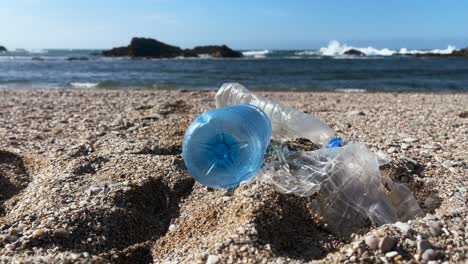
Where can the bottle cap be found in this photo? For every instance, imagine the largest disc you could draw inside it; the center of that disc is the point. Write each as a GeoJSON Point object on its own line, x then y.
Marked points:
{"type": "Point", "coordinates": [334, 143]}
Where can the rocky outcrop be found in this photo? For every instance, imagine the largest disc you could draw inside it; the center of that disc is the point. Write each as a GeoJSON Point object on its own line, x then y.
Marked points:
{"type": "Point", "coordinates": [3, 49]}
{"type": "Point", "coordinates": [151, 48]}
{"type": "Point", "coordinates": [216, 51]}
{"type": "Point", "coordinates": [116, 52]}
{"type": "Point", "coordinates": [455, 53]}
{"type": "Point", "coordinates": [461, 52]}
{"type": "Point", "coordinates": [83, 58]}
{"type": "Point", "coordinates": [145, 48]}
{"type": "Point", "coordinates": [354, 52]}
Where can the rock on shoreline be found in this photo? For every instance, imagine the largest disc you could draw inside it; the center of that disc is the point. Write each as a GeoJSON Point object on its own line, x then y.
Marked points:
{"type": "Point", "coordinates": [354, 52]}
{"type": "Point", "coordinates": [222, 51]}
{"type": "Point", "coordinates": [3, 49]}
{"type": "Point", "coordinates": [455, 53]}
{"type": "Point", "coordinates": [151, 48]}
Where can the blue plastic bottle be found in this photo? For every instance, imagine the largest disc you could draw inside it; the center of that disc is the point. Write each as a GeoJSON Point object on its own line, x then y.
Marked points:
{"type": "Point", "coordinates": [225, 146]}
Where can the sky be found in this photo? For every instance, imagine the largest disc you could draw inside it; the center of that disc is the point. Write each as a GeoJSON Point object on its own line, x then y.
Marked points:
{"type": "Point", "coordinates": [241, 24]}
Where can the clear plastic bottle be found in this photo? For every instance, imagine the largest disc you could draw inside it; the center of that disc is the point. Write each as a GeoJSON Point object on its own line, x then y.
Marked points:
{"type": "Point", "coordinates": [287, 123]}
{"type": "Point", "coordinates": [225, 146]}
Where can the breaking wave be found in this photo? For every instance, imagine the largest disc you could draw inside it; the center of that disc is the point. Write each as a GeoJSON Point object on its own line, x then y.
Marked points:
{"type": "Point", "coordinates": [87, 85]}
{"type": "Point", "coordinates": [256, 53]}
{"type": "Point", "coordinates": [31, 51]}
{"type": "Point", "coordinates": [335, 48]}
{"type": "Point", "coordinates": [308, 53]}
{"type": "Point", "coordinates": [350, 90]}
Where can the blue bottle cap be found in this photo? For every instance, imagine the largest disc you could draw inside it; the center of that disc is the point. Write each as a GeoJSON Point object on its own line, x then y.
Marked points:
{"type": "Point", "coordinates": [334, 143]}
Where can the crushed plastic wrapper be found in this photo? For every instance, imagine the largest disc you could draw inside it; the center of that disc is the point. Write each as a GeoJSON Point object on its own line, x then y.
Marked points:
{"type": "Point", "coordinates": [349, 186]}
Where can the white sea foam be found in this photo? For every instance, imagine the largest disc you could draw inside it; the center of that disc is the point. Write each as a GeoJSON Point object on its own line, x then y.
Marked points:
{"type": "Point", "coordinates": [87, 85]}
{"type": "Point", "coordinates": [204, 56]}
{"type": "Point", "coordinates": [256, 53]}
{"type": "Point", "coordinates": [335, 48]}
{"type": "Point", "coordinates": [448, 50]}
{"type": "Point", "coordinates": [308, 53]}
{"type": "Point", "coordinates": [351, 90]}
{"type": "Point", "coordinates": [32, 51]}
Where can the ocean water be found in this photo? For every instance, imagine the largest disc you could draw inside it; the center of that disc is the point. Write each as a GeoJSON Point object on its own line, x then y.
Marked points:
{"type": "Point", "coordinates": [322, 69]}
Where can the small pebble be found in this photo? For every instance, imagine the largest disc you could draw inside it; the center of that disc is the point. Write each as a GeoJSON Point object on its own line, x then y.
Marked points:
{"type": "Point", "coordinates": [95, 190]}
{"type": "Point", "coordinates": [426, 154]}
{"type": "Point", "coordinates": [10, 238]}
{"type": "Point", "coordinates": [429, 254]}
{"type": "Point", "coordinates": [386, 244]}
{"type": "Point", "coordinates": [372, 242]}
{"type": "Point", "coordinates": [391, 254]}
{"type": "Point", "coordinates": [405, 146]}
{"type": "Point", "coordinates": [404, 227]}
{"type": "Point", "coordinates": [61, 233]}
{"type": "Point", "coordinates": [423, 245]}
{"type": "Point", "coordinates": [430, 202]}
{"type": "Point", "coordinates": [356, 112]}
{"type": "Point", "coordinates": [410, 140]}
{"type": "Point", "coordinates": [412, 164]}
{"type": "Point", "coordinates": [212, 259]}
{"type": "Point", "coordinates": [432, 146]}
{"type": "Point", "coordinates": [435, 228]}
{"type": "Point", "coordinates": [10, 247]}
{"type": "Point", "coordinates": [22, 226]}
{"type": "Point", "coordinates": [405, 179]}
{"type": "Point", "coordinates": [37, 233]}
{"type": "Point", "coordinates": [13, 231]}
{"type": "Point", "coordinates": [391, 150]}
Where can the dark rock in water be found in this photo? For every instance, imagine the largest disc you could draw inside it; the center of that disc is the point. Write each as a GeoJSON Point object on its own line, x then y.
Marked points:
{"type": "Point", "coordinates": [151, 48]}
{"type": "Point", "coordinates": [455, 53]}
{"type": "Point", "coordinates": [188, 53]}
{"type": "Point", "coordinates": [3, 49]}
{"type": "Point", "coordinates": [217, 51]}
{"type": "Point", "coordinates": [117, 52]}
{"type": "Point", "coordinates": [461, 52]}
{"type": "Point", "coordinates": [77, 58]}
{"type": "Point", "coordinates": [354, 52]}
{"type": "Point", "coordinates": [145, 48]}
{"type": "Point", "coordinates": [38, 59]}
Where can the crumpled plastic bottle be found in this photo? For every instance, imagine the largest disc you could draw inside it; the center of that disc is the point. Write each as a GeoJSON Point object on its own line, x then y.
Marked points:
{"type": "Point", "coordinates": [346, 180]}
{"type": "Point", "coordinates": [225, 146]}
{"type": "Point", "coordinates": [287, 123]}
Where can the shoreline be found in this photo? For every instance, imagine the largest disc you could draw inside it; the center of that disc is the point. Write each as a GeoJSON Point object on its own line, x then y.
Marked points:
{"type": "Point", "coordinates": [208, 90]}
{"type": "Point", "coordinates": [96, 175]}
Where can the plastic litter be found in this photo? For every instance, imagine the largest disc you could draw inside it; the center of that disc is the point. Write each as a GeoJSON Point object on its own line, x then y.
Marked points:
{"type": "Point", "coordinates": [348, 183]}
{"type": "Point", "coordinates": [224, 147]}
{"type": "Point", "coordinates": [287, 123]}
{"type": "Point", "coordinates": [346, 180]}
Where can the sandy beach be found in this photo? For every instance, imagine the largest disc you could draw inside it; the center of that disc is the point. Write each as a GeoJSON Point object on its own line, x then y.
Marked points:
{"type": "Point", "coordinates": [97, 176]}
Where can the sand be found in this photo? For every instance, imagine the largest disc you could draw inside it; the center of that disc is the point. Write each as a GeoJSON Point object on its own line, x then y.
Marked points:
{"type": "Point", "coordinates": [97, 176]}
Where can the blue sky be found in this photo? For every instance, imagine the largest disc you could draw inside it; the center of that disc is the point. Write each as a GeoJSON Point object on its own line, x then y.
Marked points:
{"type": "Point", "coordinates": [241, 24]}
